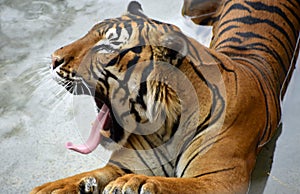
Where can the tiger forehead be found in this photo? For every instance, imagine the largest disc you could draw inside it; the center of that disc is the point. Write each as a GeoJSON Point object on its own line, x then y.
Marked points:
{"type": "Point", "coordinates": [118, 23]}
{"type": "Point", "coordinates": [132, 23]}
{"type": "Point", "coordinates": [114, 33]}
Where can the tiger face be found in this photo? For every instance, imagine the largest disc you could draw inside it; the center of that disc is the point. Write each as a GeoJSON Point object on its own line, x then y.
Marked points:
{"type": "Point", "coordinates": [118, 63]}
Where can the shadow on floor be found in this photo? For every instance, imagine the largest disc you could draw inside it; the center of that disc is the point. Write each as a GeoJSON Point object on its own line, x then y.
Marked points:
{"type": "Point", "coordinates": [263, 166]}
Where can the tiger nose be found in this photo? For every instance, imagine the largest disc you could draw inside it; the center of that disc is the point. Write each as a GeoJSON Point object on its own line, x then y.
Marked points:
{"type": "Point", "coordinates": [56, 61]}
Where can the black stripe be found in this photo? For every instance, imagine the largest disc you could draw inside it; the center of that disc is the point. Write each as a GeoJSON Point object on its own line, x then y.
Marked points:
{"type": "Point", "coordinates": [107, 74]}
{"type": "Point", "coordinates": [202, 126]}
{"type": "Point", "coordinates": [128, 73]}
{"type": "Point", "coordinates": [201, 76]}
{"type": "Point", "coordinates": [129, 27]}
{"type": "Point", "coordinates": [216, 98]}
{"type": "Point", "coordinates": [255, 46]}
{"type": "Point", "coordinates": [195, 51]}
{"type": "Point", "coordinates": [284, 47]}
{"type": "Point", "coordinates": [209, 139]}
{"type": "Point", "coordinates": [267, 126]}
{"type": "Point", "coordinates": [137, 19]}
{"type": "Point", "coordinates": [274, 95]}
{"type": "Point", "coordinates": [226, 30]}
{"type": "Point", "coordinates": [185, 145]}
{"type": "Point", "coordinates": [229, 40]}
{"type": "Point", "coordinates": [157, 92]}
{"type": "Point", "coordinates": [236, 6]}
{"type": "Point", "coordinates": [141, 93]}
{"type": "Point", "coordinates": [214, 172]}
{"type": "Point", "coordinates": [249, 56]}
{"type": "Point", "coordinates": [143, 85]}
{"type": "Point", "coordinates": [153, 148]}
{"type": "Point", "coordinates": [195, 156]}
{"type": "Point", "coordinates": [141, 157]}
{"type": "Point", "coordinates": [207, 120]}
{"type": "Point", "coordinates": [159, 22]}
{"type": "Point", "coordinates": [272, 9]}
{"type": "Point", "coordinates": [116, 43]}
{"type": "Point", "coordinates": [220, 63]}
{"type": "Point", "coordinates": [293, 13]}
{"type": "Point", "coordinates": [117, 132]}
{"type": "Point", "coordinates": [118, 164]}
{"type": "Point", "coordinates": [137, 49]}
{"type": "Point", "coordinates": [157, 148]}
{"type": "Point", "coordinates": [123, 53]}
{"type": "Point", "coordinates": [292, 2]}
{"type": "Point", "coordinates": [249, 35]}
{"type": "Point", "coordinates": [215, 19]}
{"type": "Point", "coordinates": [133, 111]}
{"type": "Point", "coordinates": [110, 75]}
{"type": "Point", "coordinates": [152, 26]}
{"type": "Point", "coordinates": [133, 61]}
{"type": "Point", "coordinates": [113, 62]}
{"type": "Point", "coordinates": [118, 31]}
{"type": "Point", "coordinates": [166, 29]}
{"type": "Point", "coordinates": [175, 126]}
{"type": "Point", "coordinates": [92, 71]}
{"type": "Point", "coordinates": [252, 20]}
{"type": "Point", "coordinates": [100, 47]}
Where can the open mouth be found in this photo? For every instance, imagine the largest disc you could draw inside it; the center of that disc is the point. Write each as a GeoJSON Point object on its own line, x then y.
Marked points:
{"type": "Point", "coordinates": [100, 129]}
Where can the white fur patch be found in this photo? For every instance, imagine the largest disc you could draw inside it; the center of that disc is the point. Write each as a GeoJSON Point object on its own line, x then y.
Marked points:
{"type": "Point", "coordinates": [113, 40]}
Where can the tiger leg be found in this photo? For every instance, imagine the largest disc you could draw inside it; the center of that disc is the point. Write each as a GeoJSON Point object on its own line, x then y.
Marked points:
{"type": "Point", "coordinates": [88, 182]}
{"type": "Point", "coordinates": [208, 183]}
{"type": "Point", "coordinates": [220, 167]}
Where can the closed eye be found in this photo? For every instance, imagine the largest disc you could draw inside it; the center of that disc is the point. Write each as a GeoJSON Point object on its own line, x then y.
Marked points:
{"type": "Point", "coordinates": [103, 48]}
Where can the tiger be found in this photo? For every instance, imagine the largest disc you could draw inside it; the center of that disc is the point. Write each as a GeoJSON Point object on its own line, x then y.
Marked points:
{"type": "Point", "coordinates": [178, 116]}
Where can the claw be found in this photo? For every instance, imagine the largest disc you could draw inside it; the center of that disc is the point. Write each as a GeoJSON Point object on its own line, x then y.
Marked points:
{"type": "Point", "coordinates": [88, 185]}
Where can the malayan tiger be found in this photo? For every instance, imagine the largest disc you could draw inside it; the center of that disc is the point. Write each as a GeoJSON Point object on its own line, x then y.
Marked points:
{"type": "Point", "coordinates": [180, 117]}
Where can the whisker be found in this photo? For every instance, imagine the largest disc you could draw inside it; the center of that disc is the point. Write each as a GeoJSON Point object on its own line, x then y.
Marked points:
{"type": "Point", "coordinates": [75, 89]}
{"type": "Point", "coordinates": [82, 90]}
{"type": "Point", "coordinates": [86, 86]}
{"type": "Point", "coordinates": [59, 98]}
{"type": "Point", "coordinates": [40, 80]}
{"type": "Point", "coordinates": [65, 100]}
{"type": "Point", "coordinates": [34, 76]}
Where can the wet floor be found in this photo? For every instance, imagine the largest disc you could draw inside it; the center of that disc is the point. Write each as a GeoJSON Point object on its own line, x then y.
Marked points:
{"type": "Point", "coordinates": [37, 117]}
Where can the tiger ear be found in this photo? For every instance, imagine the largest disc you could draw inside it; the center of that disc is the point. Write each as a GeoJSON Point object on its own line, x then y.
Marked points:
{"type": "Point", "coordinates": [175, 41]}
{"type": "Point", "coordinates": [135, 8]}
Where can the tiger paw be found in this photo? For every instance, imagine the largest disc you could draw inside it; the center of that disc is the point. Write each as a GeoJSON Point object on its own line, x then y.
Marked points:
{"type": "Point", "coordinates": [133, 184]}
{"type": "Point", "coordinates": [88, 185]}
{"type": "Point", "coordinates": [69, 185]}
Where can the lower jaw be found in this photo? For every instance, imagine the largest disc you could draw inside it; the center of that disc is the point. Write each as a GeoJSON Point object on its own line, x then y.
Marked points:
{"type": "Point", "coordinates": [110, 144]}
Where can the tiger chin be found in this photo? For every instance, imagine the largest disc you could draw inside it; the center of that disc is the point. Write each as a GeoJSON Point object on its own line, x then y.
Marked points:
{"type": "Point", "coordinates": [179, 117]}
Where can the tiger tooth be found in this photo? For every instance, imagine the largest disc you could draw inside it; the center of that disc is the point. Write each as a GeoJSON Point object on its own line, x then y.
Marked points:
{"type": "Point", "coordinates": [105, 133]}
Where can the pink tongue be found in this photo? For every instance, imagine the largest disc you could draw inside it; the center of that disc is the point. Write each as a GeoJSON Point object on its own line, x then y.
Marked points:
{"type": "Point", "coordinates": [94, 138]}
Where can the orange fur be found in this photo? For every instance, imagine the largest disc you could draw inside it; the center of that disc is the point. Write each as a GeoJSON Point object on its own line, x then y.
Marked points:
{"type": "Point", "coordinates": [236, 111]}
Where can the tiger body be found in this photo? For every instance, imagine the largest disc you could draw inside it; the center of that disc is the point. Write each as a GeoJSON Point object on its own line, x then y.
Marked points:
{"type": "Point", "coordinates": [208, 110]}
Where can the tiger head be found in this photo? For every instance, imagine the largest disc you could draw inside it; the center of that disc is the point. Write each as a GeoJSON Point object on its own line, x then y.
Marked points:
{"type": "Point", "coordinates": [128, 65]}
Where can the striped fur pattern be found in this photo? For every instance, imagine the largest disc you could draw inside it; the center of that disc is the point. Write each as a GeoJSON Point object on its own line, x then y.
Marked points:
{"type": "Point", "coordinates": [185, 118]}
